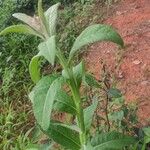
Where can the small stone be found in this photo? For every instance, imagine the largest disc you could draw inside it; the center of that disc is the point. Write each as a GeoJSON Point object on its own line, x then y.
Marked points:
{"type": "Point", "coordinates": [118, 13]}
{"type": "Point", "coordinates": [120, 75]}
{"type": "Point", "coordinates": [136, 62]}
{"type": "Point", "coordinates": [145, 82]}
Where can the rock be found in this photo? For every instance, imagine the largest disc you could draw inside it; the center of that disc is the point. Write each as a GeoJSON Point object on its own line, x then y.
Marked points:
{"type": "Point", "coordinates": [136, 62]}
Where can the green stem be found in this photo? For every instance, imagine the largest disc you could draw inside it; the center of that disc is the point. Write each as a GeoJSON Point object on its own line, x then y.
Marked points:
{"type": "Point", "coordinates": [76, 97]}
{"type": "Point", "coordinates": [80, 116]}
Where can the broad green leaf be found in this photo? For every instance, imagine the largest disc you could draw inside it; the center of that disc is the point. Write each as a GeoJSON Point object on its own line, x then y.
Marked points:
{"type": "Point", "coordinates": [42, 86]}
{"type": "Point", "coordinates": [51, 17]}
{"type": "Point", "coordinates": [48, 49]}
{"type": "Point", "coordinates": [114, 93]}
{"type": "Point", "coordinates": [95, 33]}
{"type": "Point", "coordinates": [64, 135]}
{"type": "Point", "coordinates": [20, 29]}
{"type": "Point", "coordinates": [33, 22]}
{"type": "Point", "coordinates": [34, 69]}
{"type": "Point", "coordinates": [88, 115]}
{"type": "Point", "coordinates": [42, 100]}
{"type": "Point", "coordinates": [64, 103]}
{"type": "Point", "coordinates": [49, 101]}
{"type": "Point", "coordinates": [112, 141]}
{"type": "Point", "coordinates": [91, 81]}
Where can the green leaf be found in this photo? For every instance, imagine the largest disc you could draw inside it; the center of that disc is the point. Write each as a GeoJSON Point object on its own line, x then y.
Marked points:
{"type": "Point", "coordinates": [146, 131]}
{"type": "Point", "coordinates": [79, 72]}
{"type": "Point", "coordinates": [91, 81]}
{"type": "Point", "coordinates": [114, 93]}
{"type": "Point", "coordinates": [34, 69]}
{"type": "Point", "coordinates": [147, 139]}
{"type": "Point", "coordinates": [47, 146]}
{"type": "Point", "coordinates": [111, 141]}
{"type": "Point", "coordinates": [32, 147]}
{"type": "Point", "coordinates": [88, 146]}
{"type": "Point", "coordinates": [88, 115]}
{"type": "Point", "coordinates": [41, 12]}
{"type": "Point", "coordinates": [44, 23]}
{"type": "Point", "coordinates": [51, 17]}
{"type": "Point", "coordinates": [20, 29]}
{"type": "Point", "coordinates": [64, 103]}
{"type": "Point", "coordinates": [33, 22]}
{"type": "Point", "coordinates": [95, 33]}
{"type": "Point", "coordinates": [48, 105]}
{"type": "Point", "coordinates": [64, 135]}
{"type": "Point", "coordinates": [48, 49]}
{"type": "Point", "coordinates": [116, 115]}
{"type": "Point", "coordinates": [42, 98]}
{"type": "Point", "coordinates": [43, 86]}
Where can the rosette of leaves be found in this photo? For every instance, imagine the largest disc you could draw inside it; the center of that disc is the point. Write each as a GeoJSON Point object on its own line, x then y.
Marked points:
{"type": "Point", "coordinates": [49, 93]}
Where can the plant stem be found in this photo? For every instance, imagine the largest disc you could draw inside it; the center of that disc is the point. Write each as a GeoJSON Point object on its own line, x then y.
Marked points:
{"type": "Point", "coordinates": [76, 96]}
{"type": "Point", "coordinates": [80, 115]}
{"type": "Point", "coordinates": [106, 111]}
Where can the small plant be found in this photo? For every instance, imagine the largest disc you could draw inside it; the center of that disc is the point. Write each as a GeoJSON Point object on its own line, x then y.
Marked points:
{"type": "Point", "coordinates": [51, 93]}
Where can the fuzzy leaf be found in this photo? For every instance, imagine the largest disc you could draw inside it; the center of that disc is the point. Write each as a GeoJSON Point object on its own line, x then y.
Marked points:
{"type": "Point", "coordinates": [79, 72]}
{"type": "Point", "coordinates": [48, 49]}
{"type": "Point", "coordinates": [33, 22]}
{"type": "Point", "coordinates": [51, 17]}
{"type": "Point", "coordinates": [49, 101]}
{"type": "Point", "coordinates": [34, 69]}
{"type": "Point", "coordinates": [64, 103]}
{"type": "Point", "coordinates": [41, 11]}
{"type": "Point", "coordinates": [20, 29]}
{"type": "Point", "coordinates": [44, 23]}
{"type": "Point", "coordinates": [64, 135]}
{"type": "Point", "coordinates": [43, 99]}
{"type": "Point", "coordinates": [88, 146]}
{"type": "Point", "coordinates": [88, 115]}
{"type": "Point", "coordinates": [42, 85]}
{"type": "Point", "coordinates": [111, 141]}
{"type": "Point", "coordinates": [95, 33]}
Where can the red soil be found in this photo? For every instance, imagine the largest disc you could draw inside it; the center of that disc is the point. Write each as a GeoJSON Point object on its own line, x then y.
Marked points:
{"type": "Point", "coordinates": [131, 18]}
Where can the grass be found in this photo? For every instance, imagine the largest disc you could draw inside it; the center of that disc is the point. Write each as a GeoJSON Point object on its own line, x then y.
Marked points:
{"type": "Point", "coordinates": [15, 106]}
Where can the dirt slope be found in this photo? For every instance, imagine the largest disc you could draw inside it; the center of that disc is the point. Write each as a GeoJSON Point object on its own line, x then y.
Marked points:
{"type": "Point", "coordinates": [132, 20]}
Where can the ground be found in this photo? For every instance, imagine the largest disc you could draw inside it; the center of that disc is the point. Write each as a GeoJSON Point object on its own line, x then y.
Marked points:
{"type": "Point", "coordinates": [131, 18]}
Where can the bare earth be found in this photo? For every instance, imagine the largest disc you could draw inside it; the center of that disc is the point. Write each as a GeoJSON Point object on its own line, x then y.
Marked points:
{"type": "Point", "coordinates": [131, 18]}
